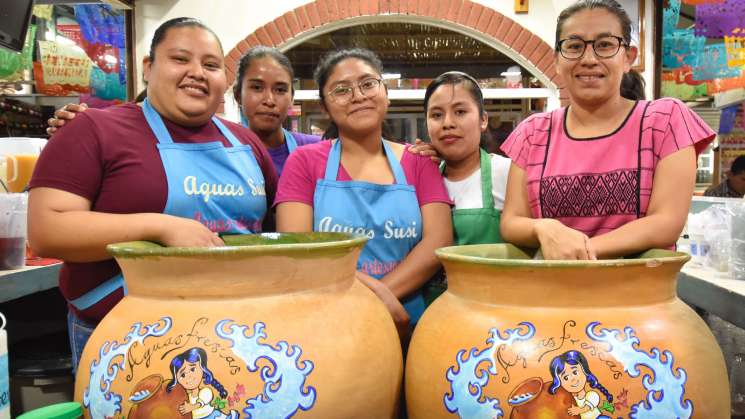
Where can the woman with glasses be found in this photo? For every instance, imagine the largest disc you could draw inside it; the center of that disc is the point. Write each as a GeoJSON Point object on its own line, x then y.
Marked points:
{"type": "Point", "coordinates": [362, 183]}
{"type": "Point", "coordinates": [610, 174]}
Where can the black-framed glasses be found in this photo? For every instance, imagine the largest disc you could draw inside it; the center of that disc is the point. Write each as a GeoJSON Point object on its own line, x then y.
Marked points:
{"type": "Point", "coordinates": [343, 93]}
{"type": "Point", "coordinates": [604, 47]}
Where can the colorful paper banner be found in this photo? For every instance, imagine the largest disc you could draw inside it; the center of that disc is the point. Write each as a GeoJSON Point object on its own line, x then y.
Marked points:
{"type": "Point", "coordinates": [721, 19]}
{"type": "Point", "coordinates": [711, 64]}
{"type": "Point", "coordinates": [670, 17]}
{"type": "Point", "coordinates": [727, 119]}
{"type": "Point", "coordinates": [681, 48]}
{"type": "Point", "coordinates": [101, 24]}
{"type": "Point", "coordinates": [735, 48]}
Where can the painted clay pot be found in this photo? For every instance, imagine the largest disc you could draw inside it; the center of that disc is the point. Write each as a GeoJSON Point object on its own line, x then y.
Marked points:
{"type": "Point", "coordinates": [515, 337]}
{"type": "Point", "coordinates": [272, 325]}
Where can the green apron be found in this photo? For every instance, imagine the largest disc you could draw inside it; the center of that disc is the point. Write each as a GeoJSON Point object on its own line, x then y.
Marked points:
{"type": "Point", "coordinates": [471, 225]}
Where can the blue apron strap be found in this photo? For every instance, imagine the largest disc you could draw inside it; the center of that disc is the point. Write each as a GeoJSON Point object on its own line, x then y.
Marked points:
{"type": "Point", "coordinates": [290, 141]}
{"type": "Point", "coordinates": [332, 164]}
{"type": "Point", "coordinates": [226, 132]}
{"type": "Point", "coordinates": [398, 171]}
{"type": "Point", "coordinates": [244, 120]}
{"type": "Point", "coordinates": [156, 123]}
{"type": "Point", "coordinates": [90, 298]}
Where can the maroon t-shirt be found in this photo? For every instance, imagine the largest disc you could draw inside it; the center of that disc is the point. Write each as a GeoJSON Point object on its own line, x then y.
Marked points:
{"type": "Point", "coordinates": [109, 156]}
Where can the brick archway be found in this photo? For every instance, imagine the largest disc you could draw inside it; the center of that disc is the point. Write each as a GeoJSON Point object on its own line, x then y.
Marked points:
{"type": "Point", "coordinates": [464, 16]}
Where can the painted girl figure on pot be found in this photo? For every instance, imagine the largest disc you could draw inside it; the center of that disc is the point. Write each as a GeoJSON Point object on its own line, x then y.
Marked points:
{"type": "Point", "coordinates": [189, 370]}
{"type": "Point", "coordinates": [571, 372]}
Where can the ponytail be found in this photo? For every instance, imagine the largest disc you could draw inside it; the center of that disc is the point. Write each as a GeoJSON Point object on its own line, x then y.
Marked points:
{"type": "Point", "coordinates": [141, 97]}
{"type": "Point", "coordinates": [332, 132]}
{"type": "Point", "coordinates": [632, 86]}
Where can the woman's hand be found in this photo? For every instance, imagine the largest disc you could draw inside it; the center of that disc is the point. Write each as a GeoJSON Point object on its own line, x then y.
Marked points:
{"type": "Point", "coordinates": [424, 149]}
{"type": "Point", "coordinates": [185, 232]}
{"type": "Point", "coordinates": [63, 114]}
{"type": "Point", "coordinates": [559, 242]}
{"type": "Point", "coordinates": [397, 310]}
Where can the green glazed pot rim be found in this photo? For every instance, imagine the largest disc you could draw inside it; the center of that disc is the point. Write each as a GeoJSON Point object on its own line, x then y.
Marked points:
{"type": "Point", "coordinates": [519, 257]}
{"type": "Point", "coordinates": [244, 244]}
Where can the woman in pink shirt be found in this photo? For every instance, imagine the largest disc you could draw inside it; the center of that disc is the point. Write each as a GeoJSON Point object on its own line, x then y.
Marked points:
{"type": "Point", "coordinates": [610, 174]}
{"type": "Point", "coordinates": [361, 183]}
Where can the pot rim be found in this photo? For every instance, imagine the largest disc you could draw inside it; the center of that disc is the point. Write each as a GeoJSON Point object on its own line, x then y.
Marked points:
{"type": "Point", "coordinates": [649, 258]}
{"type": "Point", "coordinates": [325, 241]}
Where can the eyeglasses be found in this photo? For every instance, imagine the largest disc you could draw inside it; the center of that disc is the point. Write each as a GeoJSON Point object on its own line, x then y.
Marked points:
{"type": "Point", "coordinates": [604, 47]}
{"type": "Point", "coordinates": [343, 93]}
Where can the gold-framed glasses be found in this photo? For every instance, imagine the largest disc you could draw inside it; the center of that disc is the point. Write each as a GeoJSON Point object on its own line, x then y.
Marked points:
{"type": "Point", "coordinates": [343, 93]}
{"type": "Point", "coordinates": [604, 47]}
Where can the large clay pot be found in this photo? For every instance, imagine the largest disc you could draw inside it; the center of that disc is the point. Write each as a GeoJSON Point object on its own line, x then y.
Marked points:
{"type": "Point", "coordinates": [515, 337]}
{"type": "Point", "coordinates": [271, 326]}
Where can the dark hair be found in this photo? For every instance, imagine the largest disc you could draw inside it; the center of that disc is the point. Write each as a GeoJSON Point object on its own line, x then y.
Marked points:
{"type": "Point", "coordinates": [738, 165]}
{"type": "Point", "coordinates": [451, 78]}
{"type": "Point", "coordinates": [194, 355]}
{"type": "Point", "coordinates": [574, 358]}
{"type": "Point", "coordinates": [160, 35]}
{"type": "Point", "coordinates": [326, 66]}
{"type": "Point", "coordinates": [632, 83]}
{"type": "Point", "coordinates": [256, 53]}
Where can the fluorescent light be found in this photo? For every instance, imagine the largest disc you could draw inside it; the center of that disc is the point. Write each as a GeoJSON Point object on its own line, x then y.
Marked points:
{"type": "Point", "coordinates": [391, 76]}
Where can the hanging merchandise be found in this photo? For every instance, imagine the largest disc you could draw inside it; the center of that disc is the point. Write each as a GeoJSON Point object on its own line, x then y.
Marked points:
{"type": "Point", "coordinates": [684, 75]}
{"type": "Point", "coordinates": [62, 70]}
{"type": "Point", "coordinates": [682, 91]}
{"type": "Point", "coordinates": [681, 48]}
{"type": "Point", "coordinates": [722, 85]}
{"type": "Point", "coordinates": [712, 64]}
{"type": "Point", "coordinates": [12, 64]}
{"type": "Point", "coordinates": [720, 19]}
{"type": "Point", "coordinates": [670, 17]}
{"type": "Point", "coordinates": [71, 32]}
{"type": "Point", "coordinates": [43, 11]}
{"type": "Point", "coordinates": [107, 86]}
{"type": "Point", "coordinates": [727, 120]}
{"type": "Point", "coordinates": [105, 56]}
{"type": "Point", "coordinates": [101, 24]}
{"type": "Point", "coordinates": [735, 49]}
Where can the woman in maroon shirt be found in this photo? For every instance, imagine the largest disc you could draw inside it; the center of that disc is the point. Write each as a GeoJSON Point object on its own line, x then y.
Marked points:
{"type": "Point", "coordinates": [144, 173]}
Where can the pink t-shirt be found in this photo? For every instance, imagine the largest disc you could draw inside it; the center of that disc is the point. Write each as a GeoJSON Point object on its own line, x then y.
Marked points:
{"type": "Point", "coordinates": [308, 164]}
{"type": "Point", "coordinates": [596, 185]}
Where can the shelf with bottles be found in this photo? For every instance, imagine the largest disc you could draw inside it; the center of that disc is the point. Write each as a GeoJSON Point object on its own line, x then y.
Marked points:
{"type": "Point", "coordinates": [22, 119]}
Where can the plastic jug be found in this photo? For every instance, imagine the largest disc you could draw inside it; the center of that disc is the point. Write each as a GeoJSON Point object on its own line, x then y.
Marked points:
{"type": "Point", "coordinates": [18, 158]}
{"type": "Point", "coordinates": [13, 208]}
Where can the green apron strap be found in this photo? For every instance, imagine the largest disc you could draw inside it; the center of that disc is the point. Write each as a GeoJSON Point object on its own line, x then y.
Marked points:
{"type": "Point", "coordinates": [487, 199]}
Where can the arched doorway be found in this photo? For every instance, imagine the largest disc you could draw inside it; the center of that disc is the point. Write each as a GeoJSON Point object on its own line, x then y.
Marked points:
{"type": "Point", "coordinates": [468, 19]}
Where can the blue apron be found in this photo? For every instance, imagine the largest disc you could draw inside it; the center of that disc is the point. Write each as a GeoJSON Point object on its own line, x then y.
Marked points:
{"type": "Point", "coordinates": [222, 187]}
{"type": "Point", "coordinates": [289, 138]}
{"type": "Point", "coordinates": [387, 214]}
{"type": "Point", "coordinates": [290, 141]}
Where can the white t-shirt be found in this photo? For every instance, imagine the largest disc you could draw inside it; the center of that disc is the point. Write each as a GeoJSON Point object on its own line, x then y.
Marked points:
{"type": "Point", "coordinates": [203, 398]}
{"type": "Point", "coordinates": [466, 193]}
{"type": "Point", "coordinates": [591, 399]}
